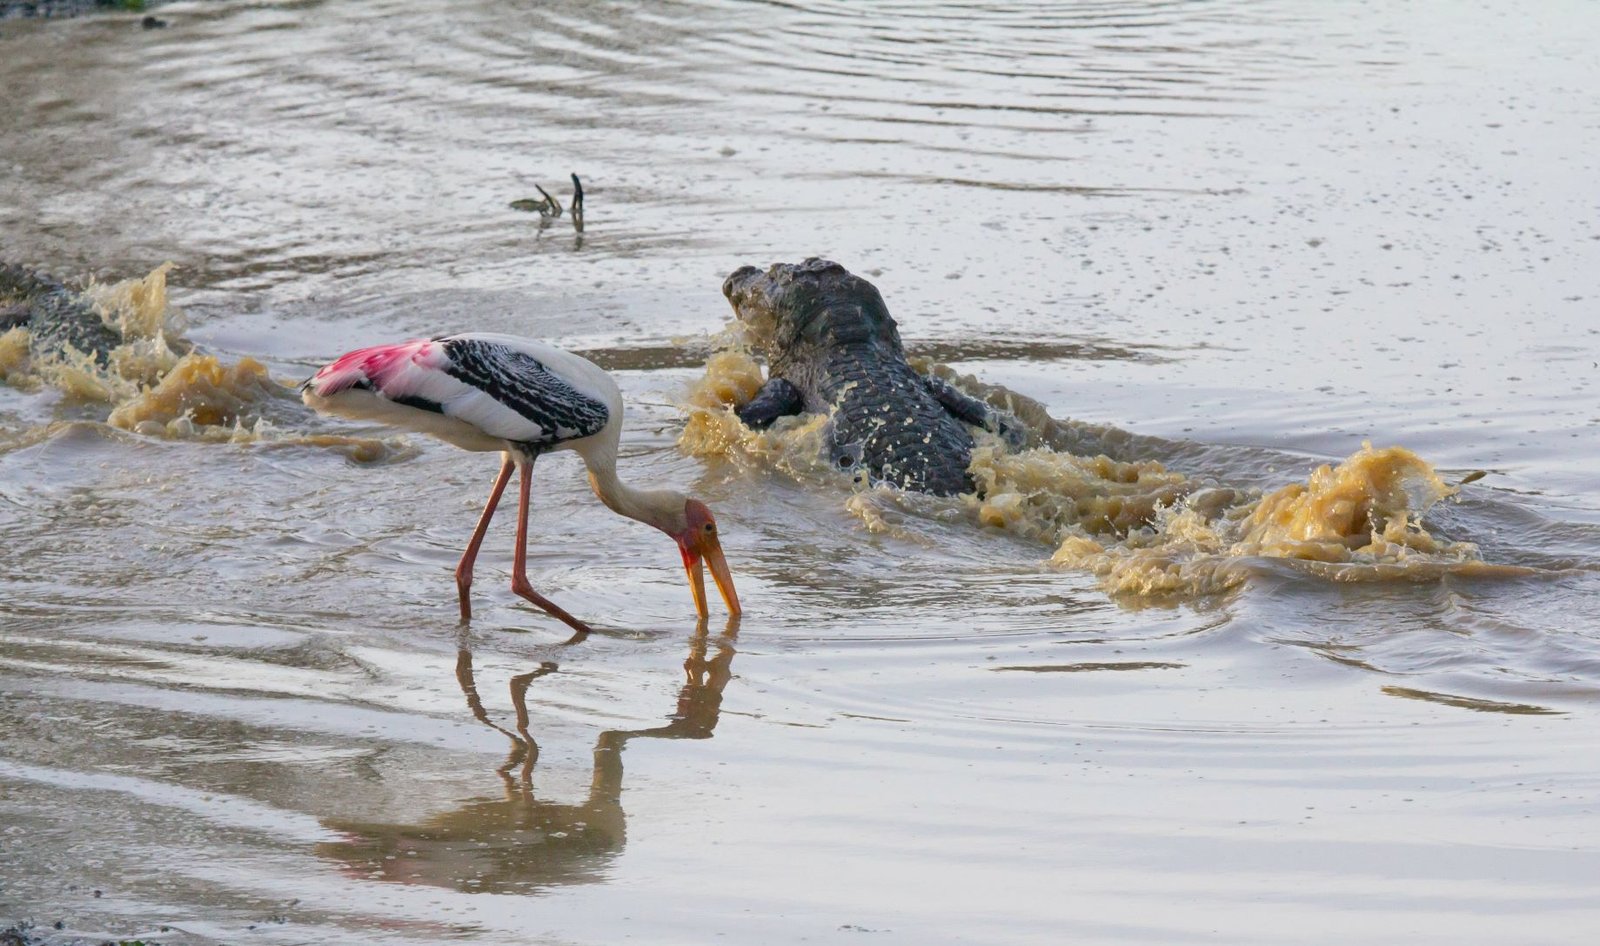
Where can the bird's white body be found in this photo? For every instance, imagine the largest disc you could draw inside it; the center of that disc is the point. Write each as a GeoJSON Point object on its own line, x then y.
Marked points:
{"type": "Point", "coordinates": [488, 392]}
{"type": "Point", "coordinates": [385, 383]}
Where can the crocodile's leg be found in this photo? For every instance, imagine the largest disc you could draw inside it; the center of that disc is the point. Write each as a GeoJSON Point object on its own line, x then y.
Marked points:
{"type": "Point", "coordinates": [961, 405]}
{"type": "Point", "coordinates": [968, 409]}
{"type": "Point", "coordinates": [777, 398]}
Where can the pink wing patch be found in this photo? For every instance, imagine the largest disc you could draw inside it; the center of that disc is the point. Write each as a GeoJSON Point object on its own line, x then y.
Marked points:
{"type": "Point", "coordinates": [378, 366]}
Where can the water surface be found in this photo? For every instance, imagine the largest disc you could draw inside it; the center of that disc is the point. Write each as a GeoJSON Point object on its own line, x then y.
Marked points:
{"type": "Point", "coordinates": [234, 698]}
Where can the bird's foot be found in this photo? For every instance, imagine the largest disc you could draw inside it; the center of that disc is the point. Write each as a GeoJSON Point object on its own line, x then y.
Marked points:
{"type": "Point", "coordinates": [525, 590]}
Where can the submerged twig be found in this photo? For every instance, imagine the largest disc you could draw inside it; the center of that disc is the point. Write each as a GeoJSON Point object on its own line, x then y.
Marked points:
{"type": "Point", "coordinates": [552, 207]}
{"type": "Point", "coordinates": [577, 203]}
{"type": "Point", "coordinates": [548, 208]}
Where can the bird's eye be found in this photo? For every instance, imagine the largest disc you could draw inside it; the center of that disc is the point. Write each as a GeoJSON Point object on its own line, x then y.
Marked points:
{"type": "Point", "coordinates": [711, 527]}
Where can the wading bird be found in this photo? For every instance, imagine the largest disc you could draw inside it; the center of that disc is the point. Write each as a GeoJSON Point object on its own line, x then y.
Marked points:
{"type": "Point", "coordinates": [522, 398]}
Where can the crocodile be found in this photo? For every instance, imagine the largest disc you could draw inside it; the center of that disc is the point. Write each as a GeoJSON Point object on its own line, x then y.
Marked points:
{"type": "Point", "coordinates": [832, 348]}
{"type": "Point", "coordinates": [56, 318]}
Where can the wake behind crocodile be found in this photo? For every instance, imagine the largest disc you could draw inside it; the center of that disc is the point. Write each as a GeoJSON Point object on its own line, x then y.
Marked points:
{"type": "Point", "coordinates": [142, 375]}
{"type": "Point", "coordinates": [1146, 531]}
{"type": "Point", "coordinates": [1093, 493]}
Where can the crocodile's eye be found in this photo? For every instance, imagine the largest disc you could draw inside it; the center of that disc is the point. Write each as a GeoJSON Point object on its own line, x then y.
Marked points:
{"type": "Point", "coordinates": [846, 461]}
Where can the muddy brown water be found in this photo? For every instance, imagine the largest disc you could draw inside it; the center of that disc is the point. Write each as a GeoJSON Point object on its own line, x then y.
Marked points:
{"type": "Point", "coordinates": [1233, 239]}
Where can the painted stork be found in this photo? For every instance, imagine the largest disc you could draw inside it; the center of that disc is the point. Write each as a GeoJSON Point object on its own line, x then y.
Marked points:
{"type": "Point", "coordinates": [522, 398]}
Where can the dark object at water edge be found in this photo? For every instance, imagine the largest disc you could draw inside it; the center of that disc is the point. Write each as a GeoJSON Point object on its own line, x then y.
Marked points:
{"type": "Point", "coordinates": [52, 9]}
{"type": "Point", "coordinates": [548, 208]}
{"type": "Point", "coordinates": [56, 317]}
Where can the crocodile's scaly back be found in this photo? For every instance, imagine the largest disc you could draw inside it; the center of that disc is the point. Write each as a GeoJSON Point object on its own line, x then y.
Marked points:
{"type": "Point", "coordinates": [888, 422]}
{"type": "Point", "coordinates": [828, 333]}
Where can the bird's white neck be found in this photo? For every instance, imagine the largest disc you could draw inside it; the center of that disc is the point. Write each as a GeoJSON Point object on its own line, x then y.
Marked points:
{"type": "Point", "coordinates": [662, 508]}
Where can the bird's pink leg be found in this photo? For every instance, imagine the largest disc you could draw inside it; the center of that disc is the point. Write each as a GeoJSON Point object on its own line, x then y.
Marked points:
{"type": "Point", "coordinates": [519, 570]}
{"type": "Point", "coordinates": [470, 556]}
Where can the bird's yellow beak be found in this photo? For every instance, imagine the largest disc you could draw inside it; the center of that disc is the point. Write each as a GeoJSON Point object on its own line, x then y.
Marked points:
{"type": "Point", "coordinates": [708, 551]}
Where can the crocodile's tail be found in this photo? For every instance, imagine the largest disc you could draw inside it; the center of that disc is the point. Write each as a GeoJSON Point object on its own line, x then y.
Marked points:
{"type": "Point", "coordinates": [57, 318]}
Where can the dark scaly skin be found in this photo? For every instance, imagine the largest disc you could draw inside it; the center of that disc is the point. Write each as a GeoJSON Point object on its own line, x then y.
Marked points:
{"type": "Point", "coordinates": [831, 345]}
{"type": "Point", "coordinates": [56, 317]}
{"type": "Point", "coordinates": [67, 8]}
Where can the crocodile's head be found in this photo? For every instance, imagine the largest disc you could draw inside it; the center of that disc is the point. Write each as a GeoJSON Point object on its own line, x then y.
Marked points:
{"type": "Point", "coordinates": [810, 307]}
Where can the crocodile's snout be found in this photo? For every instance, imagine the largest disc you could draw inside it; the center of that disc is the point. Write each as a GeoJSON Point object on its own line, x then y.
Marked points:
{"type": "Point", "coordinates": [794, 294]}
{"type": "Point", "coordinates": [748, 284]}
{"type": "Point", "coordinates": [737, 285]}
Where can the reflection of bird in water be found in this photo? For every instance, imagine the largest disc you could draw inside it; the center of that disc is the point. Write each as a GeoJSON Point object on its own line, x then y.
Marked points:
{"type": "Point", "coordinates": [518, 841]}
{"type": "Point", "coordinates": [524, 398]}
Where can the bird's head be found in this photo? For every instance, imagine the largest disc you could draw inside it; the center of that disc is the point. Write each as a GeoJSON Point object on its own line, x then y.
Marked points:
{"type": "Point", "coordinates": [701, 546]}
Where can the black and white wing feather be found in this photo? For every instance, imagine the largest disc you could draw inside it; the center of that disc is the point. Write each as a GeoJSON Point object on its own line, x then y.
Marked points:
{"type": "Point", "coordinates": [485, 390]}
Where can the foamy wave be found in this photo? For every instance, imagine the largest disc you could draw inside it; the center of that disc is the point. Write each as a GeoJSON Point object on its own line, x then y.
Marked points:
{"type": "Point", "coordinates": [157, 387]}
{"type": "Point", "coordinates": [1144, 530]}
